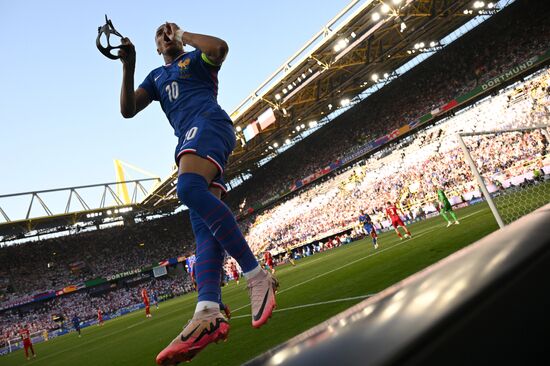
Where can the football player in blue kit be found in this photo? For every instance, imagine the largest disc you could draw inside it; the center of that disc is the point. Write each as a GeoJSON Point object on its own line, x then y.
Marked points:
{"type": "Point", "coordinates": [368, 227]}
{"type": "Point", "coordinates": [186, 87]}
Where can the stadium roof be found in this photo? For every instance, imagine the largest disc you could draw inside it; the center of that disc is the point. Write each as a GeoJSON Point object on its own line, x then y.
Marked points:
{"type": "Point", "coordinates": [367, 37]}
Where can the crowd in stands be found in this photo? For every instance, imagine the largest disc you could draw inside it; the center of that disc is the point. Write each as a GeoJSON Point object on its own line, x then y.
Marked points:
{"type": "Point", "coordinates": [411, 171]}
{"type": "Point", "coordinates": [83, 304]}
{"type": "Point", "coordinates": [407, 172]}
{"type": "Point", "coordinates": [47, 265]}
{"type": "Point", "coordinates": [510, 37]}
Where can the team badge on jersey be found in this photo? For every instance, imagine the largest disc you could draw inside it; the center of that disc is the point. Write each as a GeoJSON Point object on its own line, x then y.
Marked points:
{"type": "Point", "coordinates": [184, 68]}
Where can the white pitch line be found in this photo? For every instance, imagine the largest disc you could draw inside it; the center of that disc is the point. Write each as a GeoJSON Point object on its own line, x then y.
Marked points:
{"type": "Point", "coordinates": [416, 236]}
{"type": "Point", "coordinates": [344, 266]}
{"type": "Point", "coordinates": [308, 305]}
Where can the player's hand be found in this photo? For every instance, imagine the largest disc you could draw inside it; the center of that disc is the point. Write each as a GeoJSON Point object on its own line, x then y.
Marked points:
{"type": "Point", "coordinates": [127, 53]}
{"type": "Point", "coordinates": [174, 32]}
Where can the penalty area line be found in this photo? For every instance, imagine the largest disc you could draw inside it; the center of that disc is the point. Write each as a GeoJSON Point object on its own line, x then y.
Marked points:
{"type": "Point", "coordinates": [309, 305]}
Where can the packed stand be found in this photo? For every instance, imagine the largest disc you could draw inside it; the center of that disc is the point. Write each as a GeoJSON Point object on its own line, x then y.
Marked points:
{"type": "Point", "coordinates": [411, 171]}
{"type": "Point", "coordinates": [514, 35]}
{"type": "Point", "coordinates": [83, 304]}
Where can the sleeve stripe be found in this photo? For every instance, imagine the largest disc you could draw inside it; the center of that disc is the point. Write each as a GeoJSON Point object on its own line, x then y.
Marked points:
{"type": "Point", "coordinates": [205, 59]}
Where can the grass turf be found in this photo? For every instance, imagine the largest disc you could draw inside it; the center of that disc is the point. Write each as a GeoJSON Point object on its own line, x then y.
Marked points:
{"type": "Point", "coordinates": [344, 274]}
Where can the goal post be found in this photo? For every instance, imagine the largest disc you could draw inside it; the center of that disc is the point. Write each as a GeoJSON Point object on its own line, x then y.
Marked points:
{"type": "Point", "coordinates": [16, 343]}
{"type": "Point", "coordinates": [511, 168]}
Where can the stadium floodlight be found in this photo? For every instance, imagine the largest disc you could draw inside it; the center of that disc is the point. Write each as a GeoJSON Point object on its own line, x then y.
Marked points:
{"type": "Point", "coordinates": [287, 141]}
{"type": "Point", "coordinates": [238, 128]}
{"type": "Point", "coordinates": [284, 112]}
{"type": "Point", "coordinates": [109, 212]}
{"type": "Point", "coordinates": [421, 44]}
{"type": "Point", "coordinates": [479, 4]}
{"type": "Point", "coordinates": [312, 124]}
{"type": "Point", "coordinates": [298, 128]}
{"type": "Point", "coordinates": [285, 91]}
{"type": "Point", "coordinates": [275, 145]}
{"type": "Point", "coordinates": [344, 102]}
{"type": "Point", "coordinates": [310, 70]}
{"type": "Point", "coordinates": [375, 16]}
{"type": "Point", "coordinates": [490, 5]}
{"type": "Point", "coordinates": [299, 78]}
{"type": "Point", "coordinates": [330, 106]}
{"type": "Point", "coordinates": [290, 86]}
{"type": "Point", "coordinates": [374, 77]}
{"type": "Point", "coordinates": [403, 27]}
{"type": "Point", "coordinates": [386, 75]}
{"type": "Point", "coordinates": [396, 2]}
{"type": "Point", "coordinates": [385, 8]}
{"type": "Point", "coordinates": [353, 35]}
{"type": "Point", "coordinates": [303, 126]}
{"type": "Point", "coordinates": [277, 96]}
{"type": "Point", "coordinates": [336, 48]}
{"type": "Point", "coordinates": [303, 75]}
{"type": "Point", "coordinates": [432, 44]}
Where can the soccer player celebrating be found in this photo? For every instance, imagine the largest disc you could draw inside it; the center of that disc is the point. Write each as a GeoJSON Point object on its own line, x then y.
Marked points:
{"type": "Point", "coordinates": [145, 298]}
{"type": "Point", "coordinates": [445, 207]}
{"type": "Point", "coordinates": [186, 87]}
{"type": "Point", "coordinates": [76, 325]}
{"type": "Point", "coordinates": [27, 343]}
{"type": "Point", "coordinates": [392, 212]}
{"type": "Point", "coordinates": [368, 227]}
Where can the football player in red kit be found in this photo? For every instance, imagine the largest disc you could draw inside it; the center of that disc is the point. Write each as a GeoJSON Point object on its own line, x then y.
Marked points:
{"type": "Point", "coordinates": [392, 212]}
{"type": "Point", "coordinates": [99, 317]}
{"type": "Point", "coordinates": [235, 272]}
{"type": "Point", "coordinates": [27, 343]}
{"type": "Point", "coordinates": [268, 258]}
{"type": "Point", "coordinates": [145, 298]}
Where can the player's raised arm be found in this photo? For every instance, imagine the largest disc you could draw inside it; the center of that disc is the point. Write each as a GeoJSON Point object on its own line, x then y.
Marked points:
{"type": "Point", "coordinates": [214, 48]}
{"type": "Point", "coordinates": [131, 102]}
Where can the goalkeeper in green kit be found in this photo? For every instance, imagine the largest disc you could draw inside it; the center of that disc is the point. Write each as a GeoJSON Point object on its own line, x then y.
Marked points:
{"type": "Point", "coordinates": [445, 207]}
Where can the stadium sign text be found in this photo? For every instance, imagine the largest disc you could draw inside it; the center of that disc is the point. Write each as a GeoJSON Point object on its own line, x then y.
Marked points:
{"type": "Point", "coordinates": [123, 274]}
{"type": "Point", "coordinates": [510, 74]}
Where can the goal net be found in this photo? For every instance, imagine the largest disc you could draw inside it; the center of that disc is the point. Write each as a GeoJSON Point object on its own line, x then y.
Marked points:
{"type": "Point", "coordinates": [16, 343]}
{"type": "Point", "coordinates": [512, 169]}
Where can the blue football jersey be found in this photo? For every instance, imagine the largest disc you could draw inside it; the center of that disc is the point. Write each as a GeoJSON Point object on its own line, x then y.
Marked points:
{"type": "Point", "coordinates": [186, 89]}
{"type": "Point", "coordinates": [365, 219]}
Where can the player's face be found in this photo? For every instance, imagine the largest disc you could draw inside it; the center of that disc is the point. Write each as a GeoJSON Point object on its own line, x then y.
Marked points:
{"type": "Point", "coordinates": [164, 38]}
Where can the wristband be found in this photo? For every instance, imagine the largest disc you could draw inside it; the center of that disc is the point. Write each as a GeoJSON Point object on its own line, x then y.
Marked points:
{"type": "Point", "coordinates": [179, 35]}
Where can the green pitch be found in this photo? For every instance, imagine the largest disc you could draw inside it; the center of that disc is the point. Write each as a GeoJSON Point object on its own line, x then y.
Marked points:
{"type": "Point", "coordinates": [317, 288]}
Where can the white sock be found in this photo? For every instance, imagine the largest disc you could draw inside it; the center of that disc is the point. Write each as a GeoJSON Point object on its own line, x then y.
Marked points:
{"type": "Point", "coordinates": [203, 305]}
{"type": "Point", "coordinates": [253, 272]}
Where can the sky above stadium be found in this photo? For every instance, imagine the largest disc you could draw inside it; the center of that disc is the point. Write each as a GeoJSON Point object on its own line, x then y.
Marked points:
{"type": "Point", "coordinates": [59, 102]}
